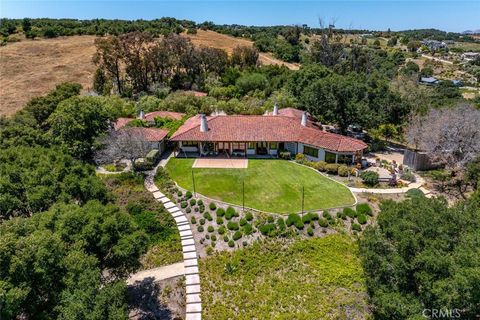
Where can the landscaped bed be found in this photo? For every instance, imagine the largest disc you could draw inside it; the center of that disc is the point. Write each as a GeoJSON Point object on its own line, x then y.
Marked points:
{"type": "Point", "coordinates": [270, 185]}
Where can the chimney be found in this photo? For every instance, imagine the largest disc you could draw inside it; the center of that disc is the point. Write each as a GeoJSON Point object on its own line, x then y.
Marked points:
{"type": "Point", "coordinates": [275, 110]}
{"type": "Point", "coordinates": [304, 119]}
{"type": "Point", "coordinates": [203, 123]}
{"type": "Point", "coordinates": [141, 116]}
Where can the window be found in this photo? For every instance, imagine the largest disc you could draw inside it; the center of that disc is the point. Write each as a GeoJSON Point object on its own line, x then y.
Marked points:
{"type": "Point", "coordinates": [238, 146]}
{"type": "Point", "coordinates": [329, 157]}
{"type": "Point", "coordinates": [309, 151]}
{"type": "Point", "coordinates": [273, 146]}
{"type": "Point", "coordinates": [189, 143]}
{"type": "Point", "coordinates": [251, 145]}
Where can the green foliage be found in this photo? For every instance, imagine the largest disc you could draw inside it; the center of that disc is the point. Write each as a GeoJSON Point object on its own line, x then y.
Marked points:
{"type": "Point", "coordinates": [208, 216]}
{"type": "Point", "coordinates": [362, 219]}
{"type": "Point", "coordinates": [412, 239]}
{"type": "Point", "coordinates": [221, 230]}
{"type": "Point", "coordinates": [193, 202]}
{"type": "Point", "coordinates": [247, 229]}
{"type": "Point", "coordinates": [193, 220]}
{"type": "Point", "coordinates": [294, 219]}
{"type": "Point", "coordinates": [188, 195]}
{"type": "Point", "coordinates": [243, 221]}
{"type": "Point", "coordinates": [326, 214]}
{"type": "Point", "coordinates": [343, 171]}
{"type": "Point", "coordinates": [323, 222]}
{"type": "Point", "coordinates": [210, 229]}
{"type": "Point", "coordinates": [183, 204]}
{"type": "Point", "coordinates": [268, 229]}
{"type": "Point", "coordinates": [200, 228]}
{"type": "Point", "coordinates": [219, 220]}
{"type": "Point", "coordinates": [202, 221]}
{"type": "Point", "coordinates": [332, 168]}
{"type": "Point", "coordinates": [188, 210]}
{"type": "Point", "coordinates": [364, 208]}
{"type": "Point", "coordinates": [237, 235]}
{"type": "Point", "coordinates": [356, 227]}
{"type": "Point", "coordinates": [230, 213]}
{"type": "Point", "coordinates": [310, 231]}
{"type": "Point", "coordinates": [231, 225]}
{"type": "Point", "coordinates": [370, 178]}
{"type": "Point", "coordinates": [249, 216]}
{"type": "Point", "coordinates": [220, 212]}
{"type": "Point", "coordinates": [200, 202]}
{"type": "Point", "coordinates": [349, 212]}
{"type": "Point", "coordinates": [212, 206]}
{"type": "Point", "coordinates": [231, 243]}
{"type": "Point", "coordinates": [281, 224]}
{"type": "Point", "coordinates": [415, 193]}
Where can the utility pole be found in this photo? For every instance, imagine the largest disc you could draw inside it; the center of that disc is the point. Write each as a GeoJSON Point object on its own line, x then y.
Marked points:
{"type": "Point", "coordinates": [303, 198]}
{"type": "Point", "coordinates": [243, 196]}
{"type": "Point", "coordinates": [193, 180]}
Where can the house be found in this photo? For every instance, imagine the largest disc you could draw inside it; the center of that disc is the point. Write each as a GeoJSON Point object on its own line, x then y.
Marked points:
{"type": "Point", "coordinates": [263, 136]}
{"type": "Point", "coordinates": [429, 81]}
{"type": "Point", "coordinates": [434, 45]}
{"type": "Point", "coordinates": [470, 56]}
{"type": "Point", "coordinates": [148, 117]}
{"type": "Point", "coordinates": [154, 138]}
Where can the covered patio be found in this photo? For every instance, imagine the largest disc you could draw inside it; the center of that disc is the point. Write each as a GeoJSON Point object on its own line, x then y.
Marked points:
{"type": "Point", "coordinates": [229, 149]}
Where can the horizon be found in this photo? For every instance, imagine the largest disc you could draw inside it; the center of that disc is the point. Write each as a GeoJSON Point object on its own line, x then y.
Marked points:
{"type": "Point", "coordinates": [449, 16]}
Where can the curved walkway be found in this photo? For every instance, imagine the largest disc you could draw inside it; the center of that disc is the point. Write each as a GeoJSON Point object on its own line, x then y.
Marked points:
{"type": "Point", "coordinates": [190, 262]}
{"type": "Point", "coordinates": [414, 185]}
{"type": "Point", "coordinates": [158, 274]}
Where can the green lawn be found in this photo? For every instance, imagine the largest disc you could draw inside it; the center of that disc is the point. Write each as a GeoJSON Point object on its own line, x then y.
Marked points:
{"type": "Point", "coordinates": [318, 278]}
{"type": "Point", "coordinates": [270, 185]}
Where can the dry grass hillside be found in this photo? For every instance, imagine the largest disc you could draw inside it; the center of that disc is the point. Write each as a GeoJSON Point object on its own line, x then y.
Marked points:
{"type": "Point", "coordinates": [32, 68]}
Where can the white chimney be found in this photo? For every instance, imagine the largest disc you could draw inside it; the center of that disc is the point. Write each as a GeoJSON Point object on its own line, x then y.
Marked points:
{"type": "Point", "coordinates": [275, 110]}
{"type": "Point", "coordinates": [141, 116]}
{"type": "Point", "coordinates": [304, 119]}
{"type": "Point", "coordinates": [203, 123]}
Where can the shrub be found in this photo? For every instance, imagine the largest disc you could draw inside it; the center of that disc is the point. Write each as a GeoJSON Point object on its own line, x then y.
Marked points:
{"type": "Point", "coordinates": [210, 229]}
{"type": "Point", "coordinates": [221, 230]}
{"type": "Point", "coordinates": [267, 229]}
{"type": "Point", "coordinates": [323, 222]}
{"type": "Point", "coordinates": [249, 216]}
{"type": "Point", "coordinates": [188, 210]}
{"type": "Point", "coordinates": [281, 223]}
{"type": "Point", "coordinates": [209, 250]}
{"type": "Point", "coordinates": [200, 228]}
{"type": "Point", "coordinates": [207, 236]}
{"type": "Point", "coordinates": [370, 178]}
{"type": "Point", "coordinates": [332, 168]}
{"type": "Point", "coordinates": [243, 222]}
{"type": "Point", "coordinates": [415, 193]}
{"type": "Point", "coordinates": [237, 235]}
{"type": "Point", "coordinates": [343, 171]}
{"type": "Point", "coordinates": [225, 238]}
{"type": "Point", "coordinates": [327, 215]}
{"type": "Point", "coordinates": [300, 158]}
{"type": "Point", "coordinates": [201, 209]}
{"type": "Point", "coordinates": [213, 206]}
{"type": "Point", "coordinates": [362, 219]}
{"type": "Point", "coordinates": [294, 219]}
{"type": "Point", "coordinates": [193, 220]}
{"type": "Point", "coordinates": [188, 195]}
{"type": "Point", "coordinates": [244, 243]}
{"type": "Point", "coordinates": [202, 221]}
{"type": "Point", "coordinates": [309, 217]}
{"type": "Point", "coordinates": [364, 208]}
{"type": "Point", "coordinates": [321, 166]}
{"type": "Point", "coordinates": [310, 231]}
{"type": "Point", "coordinates": [230, 213]}
{"type": "Point", "coordinates": [196, 209]}
{"type": "Point", "coordinates": [349, 212]}
{"type": "Point", "coordinates": [219, 220]}
{"type": "Point", "coordinates": [179, 193]}
{"type": "Point", "coordinates": [231, 243]}
{"type": "Point", "coordinates": [286, 155]}
{"type": "Point", "coordinates": [213, 238]}
{"type": "Point", "coordinates": [208, 216]}
{"type": "Point", "coordinates": [193, 202]}
{"type": "Point", "coordinates": [247, 229]}
{"type": "Point", "coordinates": [408, 176]}
{"type": "Point", "coordinates": [200, 202]}
{"type": "Point", "coordinates": [232, 225]}
{"type": "Point", "coordinates": [220, 212]}
{"type": "Point", "coordinates": [184, 204]}
{"type": "Point", "coordinates": [356, 227]}
{"type": "Point", "coordinates": [270, 219]}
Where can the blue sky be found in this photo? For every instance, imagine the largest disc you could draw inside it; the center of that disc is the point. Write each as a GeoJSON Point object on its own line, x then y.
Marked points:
{"type": "Point", "coordinates": [357, 14]}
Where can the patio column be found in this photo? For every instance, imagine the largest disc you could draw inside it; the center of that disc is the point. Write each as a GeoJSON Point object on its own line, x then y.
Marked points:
{"type": "Point", "coordinates": [336, 157]}
{"type": "Point", "coordinates": [353, 158]}
{"type": "Point", "coordinates": [200, 148]}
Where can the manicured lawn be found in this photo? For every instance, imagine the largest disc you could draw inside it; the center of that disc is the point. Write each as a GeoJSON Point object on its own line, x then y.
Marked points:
{"type": "Point", "coordinates": [318, 278]}
{"type": "Point", "coordinates": [270, 185]}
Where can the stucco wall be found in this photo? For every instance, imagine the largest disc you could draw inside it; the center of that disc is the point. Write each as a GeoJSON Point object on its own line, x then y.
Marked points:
{"type": "Point", "coordinates": [321, 153]}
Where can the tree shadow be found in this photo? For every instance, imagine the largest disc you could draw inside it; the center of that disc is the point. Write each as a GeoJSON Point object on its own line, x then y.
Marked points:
{"type": "Point", "coordinates": [144, 301]}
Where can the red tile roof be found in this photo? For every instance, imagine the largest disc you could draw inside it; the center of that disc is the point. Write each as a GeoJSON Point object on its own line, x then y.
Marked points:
{"type": "Point", "coordinates": [295, 114]}
{"type": "Point", "coordinates": [121, 122]}
{"type": "Point", "coordinates": [264, 128]}
{"type": "Point", "coordinates": [164, 114]}
{"type": "Point", "coordinates": [149, 134]}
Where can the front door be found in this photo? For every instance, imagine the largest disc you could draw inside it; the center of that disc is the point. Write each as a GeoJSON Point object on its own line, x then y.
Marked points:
{"type": "Point", "coordinates": [262, 148]}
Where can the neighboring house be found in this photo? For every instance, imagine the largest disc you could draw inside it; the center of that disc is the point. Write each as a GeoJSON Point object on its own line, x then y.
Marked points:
{"type": "Point", "coordinates": [430, 81]}
{"type": "Point", "coordinates": [434, 45]}
{"type": "Point", "coordinates": [264, 136]}
{"type": "Point", "coordinates": [153, 137]}
{"type": "Point", "coordinates": [148, 117]}
{"type": "Point", "coordinates": [470, 56]}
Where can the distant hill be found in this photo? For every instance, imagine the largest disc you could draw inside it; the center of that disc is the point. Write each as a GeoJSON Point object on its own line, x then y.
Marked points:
{"type": "Point", "coordinates": [471, 31]}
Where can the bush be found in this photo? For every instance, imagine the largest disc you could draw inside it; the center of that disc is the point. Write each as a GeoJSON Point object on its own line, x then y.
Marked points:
{"type": "Point", "coordinates": [179, 193]}
{"type": "Point", "coordinates": [309, 217]}
{"type": "Point", "coordinates": [231, 243]}
{"type": "Point", "coordinates": [193, 202]}
{"type": "Point", "coordinates": [232, 225]}
{"type": "Point", "coordinates": [243, 222]}
{"type": "Point", "coordinates": [332, 168]}
{"type": "Point", "coordinates": [249, 216]}
{"type": "Point", "coordinates": [415, 193]}
{"type": "Point", "coordinates": [244, 243]}
{"type": "Point", "coordinates": [356, 227]}
{"type": "Point", "coordinates": [207, 236]}
{"type": "Point", "coordinates": [220, 212]}
{"type": "Point", "coordinates": [196, 209]}
{"type": "Point", "coordinates": [202, 221]}
{"type": "Point", "coordinates": [267, 229]}
{"type": "Point", "coordinates": [221, 230]}
{"type": "Point", "coordinates": [281, 223]}
{"type": "Point", "coordinates": [188, 194]}
{"type": "Point", "coordinates": [370, 178]}
{"type": "Point", "coordinates": [323, 222]}
{"type": "Point", "coordinates": [349, 212]}
{"type": "Point", "coordinates": [247, 229]}
{"type": "Point", "coordinates": [237, 235]}
{"type": "Point", "coordinates": [408, 176]}
{"type": "Point", "coordinates": [362, 219]}
{"type": "Point", "coordinates": [213, 206]}
{"type": "Point", "coordinates": [294, 219]}
{"type": "Point", "coordinates": [321, 166]}
{"type": "Point", "coordinates": [343, 171]}
{"type": "Point", "coordinates": [300, 158]}
{"type": "Point", "coordinates": [364, 208]}
{"type": "Point", "coordinates": [200, 228]}
{"type": "Point", "coordinates": [286, 155]}
{"type": "Point", "coordinates": [184, 204]}
{"type": "Point", "coordinates": [310, 231]}
{"type": "Point", "coordinates": [188, 210]}
{"type": "Point", "coordinates": [327, 215]}
{"type": "Point", "coordinates": [208, 216]}
{"type": "Point", "coordinates": [200, 202]}
{"type": "Point", "coordinates": [219, 220]}
{"type": "Point", "coordinates": [270, 219]}
{"type": "Point", "coordinates": [201, 209]}
{"type": "Point", "coordinates": [230, 213]}
{"type": "Point", "coordinates": [193, 220]}
{"type": "Point", "coordinates": [213, 238]}
{"type": "Point", "coordinates": [210, 229]}
{"type": "Point", "coordinates": [225, 238]}
{"type": "Point", "coordinates": [209, 250]}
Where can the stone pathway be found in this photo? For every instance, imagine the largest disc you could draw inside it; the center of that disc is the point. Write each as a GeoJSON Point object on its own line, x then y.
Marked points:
{"type": "Point", "coordinates": [415, 185]}
{"type": "Point", "coordinates": [190, 260]}
{"type": "Point", "coordinates": [158, 274]}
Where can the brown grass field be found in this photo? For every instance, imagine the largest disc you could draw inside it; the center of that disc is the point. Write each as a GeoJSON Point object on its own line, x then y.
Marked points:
{"type": "Point", "coordinates": [31, 68]}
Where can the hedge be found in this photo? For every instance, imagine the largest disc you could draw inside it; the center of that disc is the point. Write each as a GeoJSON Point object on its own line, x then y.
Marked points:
{"type": "Point", "coordinates": [294, 219]}
{"type": "Point", "coordinates": [281, 223]}
{"type": "Point", "coordinates": [364, 208]}
{"type": "Point", "coordinates": [232, 225]}
{"type": "Point", "coordinates": [237, 235]}
{"type": "Point", "coordinates": [200, 202]}
{"type": "Point", "coordinates": [370, 178]}
{"type": "Point", "coordinates": [184, 204]}
{"type": "Point", "coordinates": [343, 171]}
{"type": "Point", "coordinates": [327, 215]}
{"type": "Point", "coordinates": [332, 168]}
{"type": "Point", "coordinates": [193, 220]}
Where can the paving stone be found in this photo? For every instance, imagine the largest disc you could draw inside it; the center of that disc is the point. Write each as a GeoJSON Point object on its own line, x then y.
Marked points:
{"type": "Point", "coordinates": [191, 270]}
{"type": "Point", "coordinates": [193, 298]}
{"type": "Point", "coordinates": [193, 316]}
{"type": "Point", "coordinates": [185, 233]}
{"type": "Point", "coordinates": [190, 262]}
{"type": "Point", "coordinates": [184, 223]}
{"type": "Point", "coordinates": [183, 227]}
{"type": "Point", "coordinates": [164, 199]}
{"type": "Point", "coordinates": [192, 279]}
{"type": "Point", "coordinates": [173, 209]}
{"type": "Point", "coordinates": [177, 214]}
{"type": "Point", "coordinates": [194, 307]}
{"type": "Point", "coordinates": [188, 248]}
{"type": "Point", "coordinates": [189, 255]}
{"type": "Point", "coordinates": [158, 194]}
{"type": "Point", "coordinates": [169, 205]}
{"type": "Point", "coordinates": [188, 242]}
{"type": "Point", "coordinates": [181, 219]}
{"type": "Point", "coordinates": [193, 288]}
